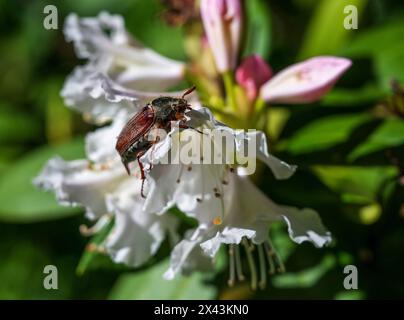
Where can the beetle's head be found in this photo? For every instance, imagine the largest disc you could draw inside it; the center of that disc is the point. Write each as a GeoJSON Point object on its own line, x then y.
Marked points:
{"type": "Point", "coordinates": [178, 104]}
{"type": "Point", "coordinates": [182, 103]}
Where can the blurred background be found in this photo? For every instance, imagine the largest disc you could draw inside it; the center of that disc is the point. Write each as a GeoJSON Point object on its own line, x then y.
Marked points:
{"type": "Point", "coordinates": [349, 148]}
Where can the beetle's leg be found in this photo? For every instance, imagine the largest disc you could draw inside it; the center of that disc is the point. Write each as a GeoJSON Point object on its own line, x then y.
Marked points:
{"type": "Point", "coordinates": [179, 116]}
{"type": "Point", "coordinates": [153, 143]}
{"type": "Point", "coordinates": [142, 175]}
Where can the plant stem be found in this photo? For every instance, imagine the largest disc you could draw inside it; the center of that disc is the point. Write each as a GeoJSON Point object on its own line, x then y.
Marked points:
{"type": "Point", "coordinates": [229, 86]}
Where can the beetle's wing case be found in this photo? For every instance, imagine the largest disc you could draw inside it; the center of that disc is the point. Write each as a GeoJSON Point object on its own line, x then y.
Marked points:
{"type": "Point", "coordinates": [136, 127]}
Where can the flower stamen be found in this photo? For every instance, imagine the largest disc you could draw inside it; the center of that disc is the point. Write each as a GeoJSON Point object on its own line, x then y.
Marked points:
{"type": "Point", "coordinates": [273, 258]}
{"type": "Point", "coordinates": [232, 267]}
{"type": "Point", "coordinates": [250, 259]}
{"type": "Point", "coordinates": [89, 231]}
{"type": "Point", "coordinates": [239, 268]}
{"type": "Point", "coordinates": [180, 174]}
{"type": "Point", "coordinates": [263, 272]}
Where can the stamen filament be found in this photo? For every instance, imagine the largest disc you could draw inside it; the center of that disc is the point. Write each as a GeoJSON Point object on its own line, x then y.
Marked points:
{"type": "Point", "coordinates": [89, 231]}
{"type": "Point", "coordinates": [270, 254]}
{"type": "Point", "coordinates": [251, 264]}
{"type": "Point", "coordinates": [263, 274]}
{"type": "Point", "coordinates": [232, 276]}
{"type": "Point", "coordinates": [180, 173]}
{"type": "Point", "coordinates": [278, 261]}
{"type": "Point", "coordinates": [239, 268]}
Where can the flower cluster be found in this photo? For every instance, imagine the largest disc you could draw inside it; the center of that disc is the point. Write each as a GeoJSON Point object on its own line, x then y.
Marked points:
{"type": "Point", "coordinates": [119, 78]}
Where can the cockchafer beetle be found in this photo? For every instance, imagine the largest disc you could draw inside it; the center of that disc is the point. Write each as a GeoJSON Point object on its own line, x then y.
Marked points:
{"type": "Point", "coordinates": [133, 141]}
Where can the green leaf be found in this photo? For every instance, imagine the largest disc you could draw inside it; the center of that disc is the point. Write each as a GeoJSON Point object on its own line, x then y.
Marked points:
{"type": "Point", "coordinates": [374, 41]}
{"type": "Point", "coordinates": [356, 184]}
{"type": "Point", "coordinates": [144, 21]}
{"type": "Point", "coordinates": [387, 135]}
{"type": "Point", "coordinates": [323, 133]}
{"type": "Point", "coordinates": [389, 65]}
{"type": "Point", "coordinates": [149, 284]}
{"type": "Point", "coordinates": [21, 272]}
{"type": "Point", "coordinates": [326, 33]}
{"type": "Point", "coordinates": [20, 200]}
{"type": "Point", "coordinates": [258, 39]}
{"type": "Point", "coordinates": [92, 259]}
{"type": "Point", "coordinates": [352, 97]}
{"type": "Point", "coordinates": [350, 295]}
{"type": "Point", "coordinates": [306, 278]}
{"type": "Point", "coordinates": [18, 127]}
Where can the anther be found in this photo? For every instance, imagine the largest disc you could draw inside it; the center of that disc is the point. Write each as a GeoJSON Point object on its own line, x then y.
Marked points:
{"type": "Point", "coordinates": [217, 221]}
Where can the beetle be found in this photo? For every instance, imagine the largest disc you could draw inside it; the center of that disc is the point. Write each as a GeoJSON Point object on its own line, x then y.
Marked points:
{"type": "Point", "coordinates": [133, 141]}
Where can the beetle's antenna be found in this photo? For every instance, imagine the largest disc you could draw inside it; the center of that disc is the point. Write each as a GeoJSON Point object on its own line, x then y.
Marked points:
{"type": "Point", "coordinates": [190, 90]}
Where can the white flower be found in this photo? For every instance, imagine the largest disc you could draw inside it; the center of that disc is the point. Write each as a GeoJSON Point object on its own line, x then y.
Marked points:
{"type": "Point", "coordinates": [248, 214]}
{"type": "Point", "coordinates": [101, 185]}
{"type": "Point", "coordinates": [187, 186]}
{"type": "Point", "coordinates": [116, 55]}
{"type": "Point", "coordinates": [227, 206]}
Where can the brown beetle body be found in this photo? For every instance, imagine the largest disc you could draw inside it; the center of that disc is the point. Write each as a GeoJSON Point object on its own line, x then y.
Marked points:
{"type": "Point", "coordinates": [133, 141]}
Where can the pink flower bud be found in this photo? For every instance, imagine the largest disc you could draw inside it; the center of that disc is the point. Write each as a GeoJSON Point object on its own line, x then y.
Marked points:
{"type": "Point", "coordinates": [222, 20]}
{"type": "Point", "coordinates": [306, 81]}
{"type": "Point", "coordinates": [252, 73]}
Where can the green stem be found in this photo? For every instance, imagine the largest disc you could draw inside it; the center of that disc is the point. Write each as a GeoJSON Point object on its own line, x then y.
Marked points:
{"type": "Point", "coordinates": [229, 86]}
{"type": "Point", "coordinates": [260, 110]}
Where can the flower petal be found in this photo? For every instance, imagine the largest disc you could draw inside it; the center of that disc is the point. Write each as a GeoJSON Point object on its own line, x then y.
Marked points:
{"type": "Point", "coordinates": [83, 92]}
{"type": "Point", "coordinates": [227, 236]}
{"type": "Point", "coordinates": [280, 169]}
{"type": "Point", "coordinates": [306, 81]}
{"type": "Point", "coordinates": [90, 34]}
{"type": "Point", "coordinates": [100, 144]}
{"type": "Point", "coordinates": [203, 118]}
{"type": "Point", "coordinates": [74, 183]}
{"type": "Point", "coordinates": [187, 255]}
{"type": "Point", "coordinates": [136, 235]}
{"type": "Point", "coordinates": [306, 225]}
{"type": "Point", "coordinates": [112, 53]}
{"type": "Point", "coordinates": [251, 74]}
{"type": "Point", "coordinates": [222, 21]}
